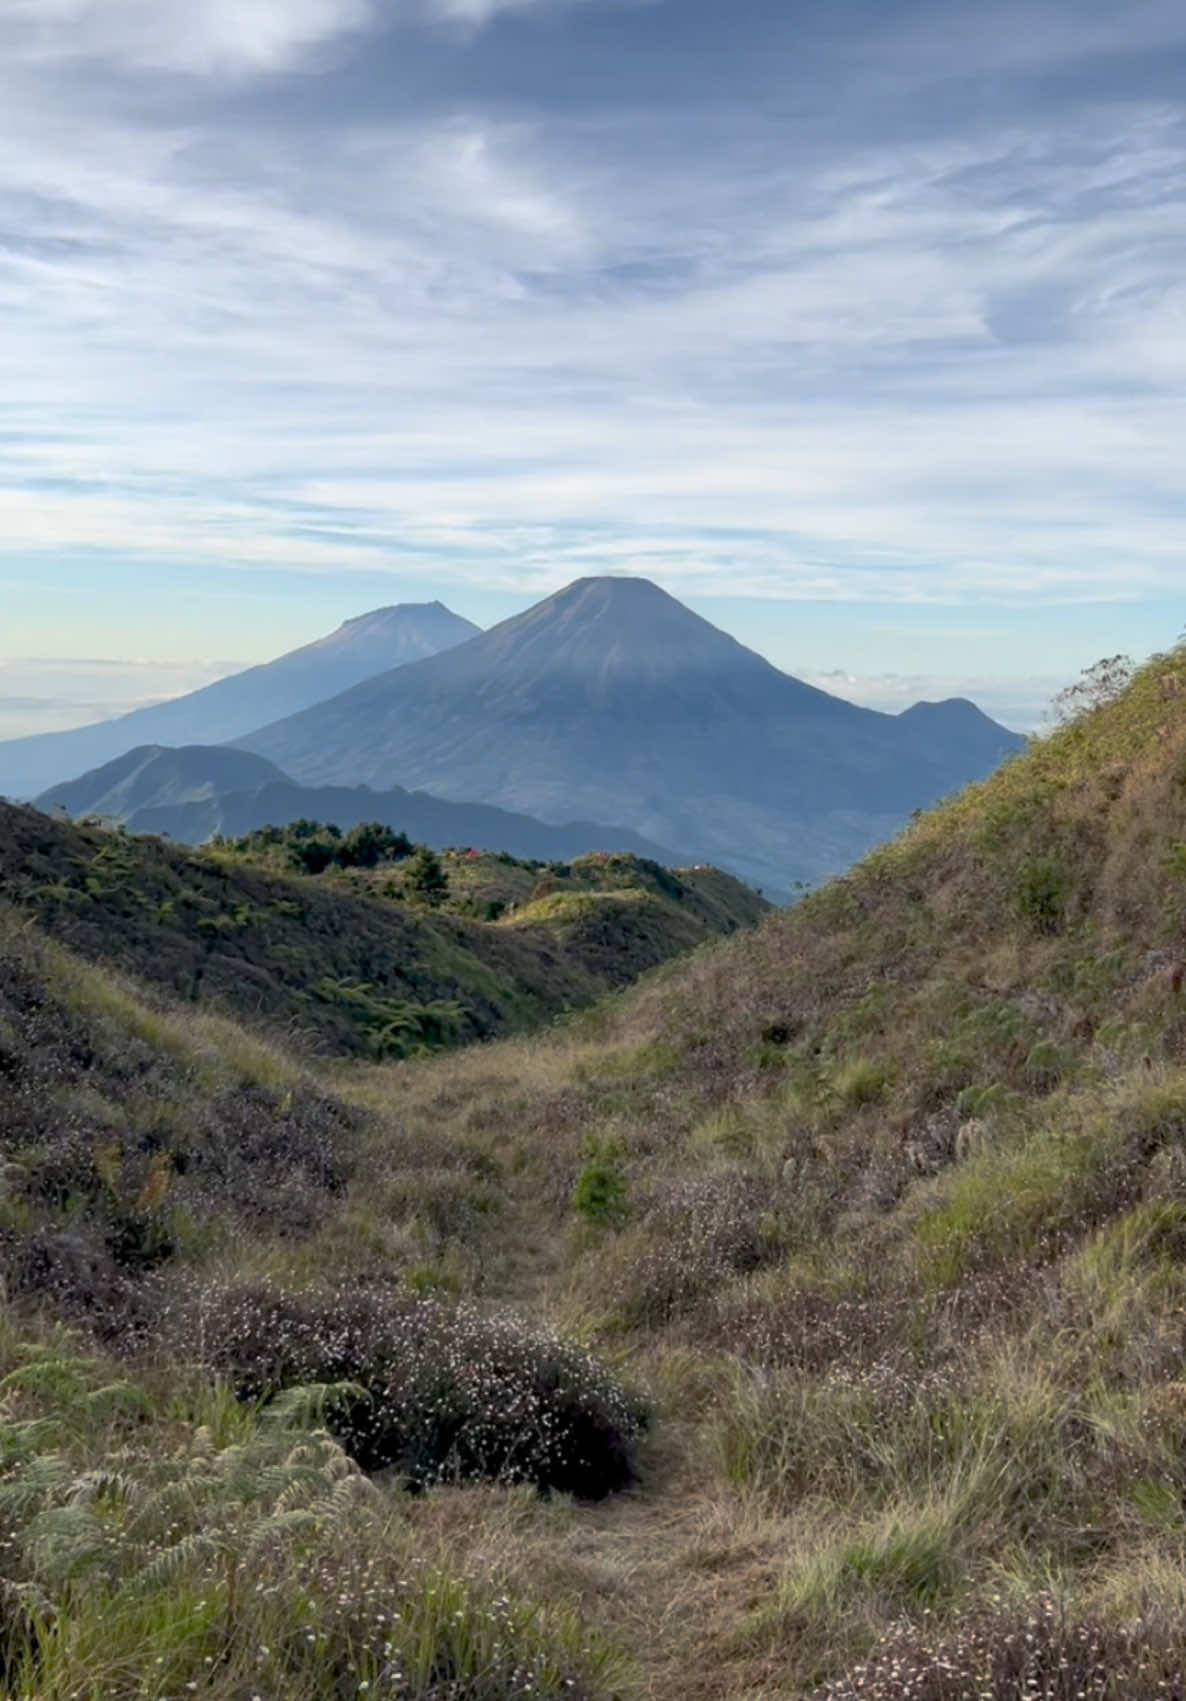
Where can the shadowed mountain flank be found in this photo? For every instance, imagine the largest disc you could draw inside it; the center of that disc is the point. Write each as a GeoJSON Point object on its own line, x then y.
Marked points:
{"type": "Point", "coordinates": [199, 792]}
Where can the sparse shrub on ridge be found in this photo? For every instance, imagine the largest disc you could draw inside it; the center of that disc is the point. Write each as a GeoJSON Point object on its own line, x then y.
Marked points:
{"type": "Point", "coordinates": [126, 1140]}
{"type": "Point", "coordinates": [1043, 888]}
{"type": "Point", "coordinates": [449, 1392]}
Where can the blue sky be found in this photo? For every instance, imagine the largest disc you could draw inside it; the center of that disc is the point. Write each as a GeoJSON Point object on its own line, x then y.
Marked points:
{"type": "Point", "coordinates": [862, 327]}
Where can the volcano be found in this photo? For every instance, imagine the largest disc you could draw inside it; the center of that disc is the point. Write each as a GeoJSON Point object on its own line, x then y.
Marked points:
{"type": "Point", "coordinates": [612, 701]}
{"type": "Point", "coordinates": [372, 643]}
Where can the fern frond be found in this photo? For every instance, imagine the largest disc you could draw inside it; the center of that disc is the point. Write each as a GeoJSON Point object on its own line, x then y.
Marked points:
{"type": "Point", "coordinates": [56, 1378]}
{"type": "Point", "coordinates": [283, 1526]}
{"type": "Point", "coordinates": [307, 1406]}
{"type": "Point", "coordinates": [201, 1445]}
{"type": "Point", "coordinates": [64, 1542]}
{"type": "Point", "coordinates": [34, 1485]}
{"type": "Point", "coordinates": [102, 1484]}
{"type": "Point", "coordinates": [171, 1562]}
{"type": "Point", "coordinates": [347, 1494]}
{"type": "Point", "coordinates": [28, 1436]}
{"type": "Point", "coordinates": [177, 1499]}
{"type": "Point", "coordinates": [123, 1397]}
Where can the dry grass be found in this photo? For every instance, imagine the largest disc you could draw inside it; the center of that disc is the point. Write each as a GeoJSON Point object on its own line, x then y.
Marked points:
{"type": "Point", "coordinates": [904, 1263]}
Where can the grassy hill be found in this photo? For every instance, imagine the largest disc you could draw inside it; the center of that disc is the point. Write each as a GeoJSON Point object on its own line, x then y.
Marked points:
{"type": "Point", "coordinates": [882, 1204]}
{"type": "Point", "coordinates": [341, 965]}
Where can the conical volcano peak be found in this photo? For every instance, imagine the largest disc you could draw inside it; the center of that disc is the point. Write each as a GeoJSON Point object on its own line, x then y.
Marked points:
{"type": "Point", "coordinates": [371, 643]}
{"type": "Point", "coordinates": [610, 693]}
{"type": "Point", "coordinates": [618, 587]}
{"type": "Point", "coordinates": [401, 619]}
{"type": "Point", "coordinates": [373, 616]}
{"type": "Point", "coordinates": [614, 625]}
{"type": "Point", "coordinates": [622, 593]}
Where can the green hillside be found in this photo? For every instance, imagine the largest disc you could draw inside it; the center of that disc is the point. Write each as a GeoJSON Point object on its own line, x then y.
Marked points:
{"type": "Point", "coordinates": [344, 965]}
{"type": "Point", "coordinates": [830, 1284]}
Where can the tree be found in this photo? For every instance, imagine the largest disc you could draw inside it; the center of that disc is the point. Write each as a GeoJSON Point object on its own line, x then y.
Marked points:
{"type": "Point", "coordinates": [312, 856]}
{"type": "Point", "coordinates": [426, 878]}
{"type": "Point", "coordinates": [371, 843]}
{"type": "Point", "coordinates": [1095, 686]}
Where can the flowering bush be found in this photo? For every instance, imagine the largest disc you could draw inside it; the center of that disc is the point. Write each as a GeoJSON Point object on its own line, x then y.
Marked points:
{"type": "Point", "coordinates": [1040, 1654]}
{"type": "Point", "coordinates": [447, 1391]}
{"type": "Point", "coordinates": [699, 1233]}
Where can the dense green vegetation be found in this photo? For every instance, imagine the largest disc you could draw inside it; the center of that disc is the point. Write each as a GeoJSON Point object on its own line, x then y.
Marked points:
{"type": "Point", "coordinates": [367, 956]}
{"type": "Point", "coordinates": [806, 1321]}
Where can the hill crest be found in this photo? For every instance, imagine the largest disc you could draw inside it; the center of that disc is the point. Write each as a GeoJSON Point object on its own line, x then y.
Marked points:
{"type": "Point", "coordinates": [194, 793]}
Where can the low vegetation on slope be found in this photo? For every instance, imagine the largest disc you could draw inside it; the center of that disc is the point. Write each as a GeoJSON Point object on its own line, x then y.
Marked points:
{"type": "Point", "coordinates": [885, 1204]}
{"type": "Point", "coordinates": [382, 964]}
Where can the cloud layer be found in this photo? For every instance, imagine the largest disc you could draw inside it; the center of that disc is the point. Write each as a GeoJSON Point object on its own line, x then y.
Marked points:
{"type": "Point", "coordinates": [42, 694]}
{"type": "Point", "coordinates": [791, 303]}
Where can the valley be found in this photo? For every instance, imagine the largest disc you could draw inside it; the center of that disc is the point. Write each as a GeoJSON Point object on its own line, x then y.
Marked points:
{"type": "Point", "coordinates": [802, 1321]}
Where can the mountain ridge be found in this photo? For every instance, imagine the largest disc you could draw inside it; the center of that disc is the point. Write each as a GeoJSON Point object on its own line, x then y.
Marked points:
{"type": "Point", "coordinates": [610, 692]}
{"type": "Point", "coordinates": [217, 713]}
{"type": "Point", "coordinates": [171, 792]}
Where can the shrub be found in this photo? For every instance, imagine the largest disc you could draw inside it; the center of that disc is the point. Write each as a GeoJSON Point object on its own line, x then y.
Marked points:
{"type": "Point", "coordinates": [1043, 887]}
{"type": "Point", "coordinates": [425, 878]}
{"type": "Point", "coordinates": [447, 1391]}
{"type": "Point", "coordinates": [371, 843]}
{"type": "Point", "coordinates": [861, 1081]}
{"type": "Point", "coordinates": [602, 1194]}
{"type": "Point", "coordinates": [1040, 1654]}
{"type": "Point", "coordinates": [698, 1234]}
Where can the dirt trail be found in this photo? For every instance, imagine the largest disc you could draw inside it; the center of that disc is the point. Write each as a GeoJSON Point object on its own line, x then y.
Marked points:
{"type": "Point", "coordinates": [667, 1573]}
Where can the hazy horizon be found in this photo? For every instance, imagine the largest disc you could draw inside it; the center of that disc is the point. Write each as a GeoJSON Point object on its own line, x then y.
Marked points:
{"type": "Point", "coordinates": [92, 689]}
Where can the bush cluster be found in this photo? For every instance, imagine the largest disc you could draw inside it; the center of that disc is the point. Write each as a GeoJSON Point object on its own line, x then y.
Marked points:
{"type": "Point", "coordinates": [1041, 1655]}
{"type": "Point", "coordinates": [310, 847]}
{"type": "Point", "coordinates": [259, 1564]}
{"type": "Point", "coordinates": [698, 1234]}
{"type": "Point", "coordinates": [446, 1391]}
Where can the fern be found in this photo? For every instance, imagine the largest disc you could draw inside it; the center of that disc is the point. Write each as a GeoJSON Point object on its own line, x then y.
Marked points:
{"type": "Point", "coordinates": [307, 1407]}
{"type": "Point", "coordinates": [169, 1564]}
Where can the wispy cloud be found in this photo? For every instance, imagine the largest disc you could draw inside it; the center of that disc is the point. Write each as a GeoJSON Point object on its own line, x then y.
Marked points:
{"type": "Point", "coordinates": [201, 37]}
{"type": "Point", "coordinates": [881, 356]}
{"type": "Point", "coordinates": [1022, 702]}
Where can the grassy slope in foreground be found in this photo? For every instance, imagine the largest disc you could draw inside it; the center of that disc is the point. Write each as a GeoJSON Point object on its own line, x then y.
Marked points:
{"type": "Point", "coordinates": [903, 1251]}
{"type": "Point", "coordinates": [159, 1536]}
{"type": "Point", "coordinates": [334, 961]}
{"type": "Point", "coordinates": [887, 1202]}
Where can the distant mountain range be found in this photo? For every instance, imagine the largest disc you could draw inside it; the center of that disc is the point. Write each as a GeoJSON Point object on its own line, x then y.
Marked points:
{"type": "Point", "coordinates": [607, 702]}
{"type": "Point", "coordinates": [192, 793]}
{"type": "Point", "coordinates": [359, 649]}
{"type": "Point", "coordinates": [612, 701]}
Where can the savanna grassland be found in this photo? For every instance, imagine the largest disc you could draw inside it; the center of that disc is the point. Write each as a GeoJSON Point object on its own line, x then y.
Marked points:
{"type": "Point", "coordinates": [808, 1319]}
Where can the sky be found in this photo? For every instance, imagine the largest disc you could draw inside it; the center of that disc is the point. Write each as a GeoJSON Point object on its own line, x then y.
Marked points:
{"type": "Point", "coordinates": [861, 327]}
